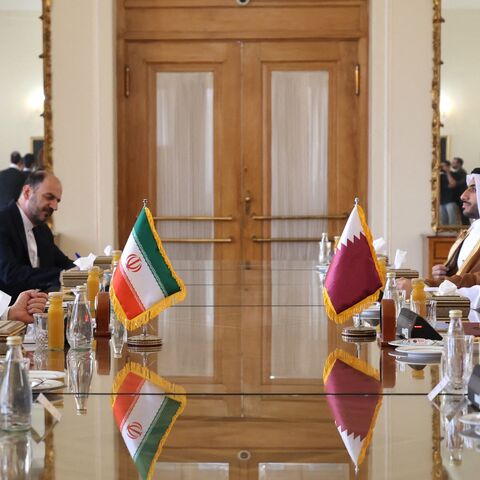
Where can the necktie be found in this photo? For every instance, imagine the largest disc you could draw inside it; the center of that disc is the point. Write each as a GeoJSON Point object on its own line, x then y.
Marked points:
{"type": "Point", "coordinates": [32, 248]}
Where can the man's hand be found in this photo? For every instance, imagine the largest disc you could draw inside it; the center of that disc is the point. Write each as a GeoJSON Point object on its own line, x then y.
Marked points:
{"type": "Point", "coordinates": [28, 303]}
{"type": "Point", "coordinates": [439, 272]}
{"type": "Point", "coordinates": [404, 284]}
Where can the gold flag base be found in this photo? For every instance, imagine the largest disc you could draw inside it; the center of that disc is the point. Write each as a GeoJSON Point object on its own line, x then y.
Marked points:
{"type": "Point", "coordinates": [145, 341]}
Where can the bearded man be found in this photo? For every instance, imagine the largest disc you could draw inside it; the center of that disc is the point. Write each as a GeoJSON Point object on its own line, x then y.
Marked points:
{"type": "Point", "coordinates": [29, 258]}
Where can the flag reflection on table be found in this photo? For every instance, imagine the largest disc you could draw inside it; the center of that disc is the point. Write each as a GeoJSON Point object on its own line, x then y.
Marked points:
{"type": "Point", "coordinates": [145, 407]}
{"type": "Point", "coordinates": [354, 397]}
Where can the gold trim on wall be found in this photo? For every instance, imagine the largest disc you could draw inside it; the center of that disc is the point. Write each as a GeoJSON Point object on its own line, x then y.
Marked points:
{"type": "Point", "coordinates": [47, 85]}
{"type": "Point", "coordinates": [436, 123]}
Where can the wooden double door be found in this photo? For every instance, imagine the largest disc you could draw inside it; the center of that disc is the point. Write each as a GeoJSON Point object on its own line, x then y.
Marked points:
{"type": "Point", "coordinates": [246, 148]}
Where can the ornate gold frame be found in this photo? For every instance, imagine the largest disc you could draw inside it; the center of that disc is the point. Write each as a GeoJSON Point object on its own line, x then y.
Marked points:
{"type": "Point", "coordinates": [47, 85]}
{"type": "Point", "coordinates": [436, 121]}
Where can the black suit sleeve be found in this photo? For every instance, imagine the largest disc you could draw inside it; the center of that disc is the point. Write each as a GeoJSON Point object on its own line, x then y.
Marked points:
{"type": "Point", "coordinates": [16, 273]}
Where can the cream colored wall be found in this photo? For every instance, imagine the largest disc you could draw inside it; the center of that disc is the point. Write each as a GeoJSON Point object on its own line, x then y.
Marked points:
{"type": "Point", "coordinates": [84, 123]}
{"type": "Point", "coordinates": [84, 119]}
{"type": "Point", "coordinates": [20, 46]}
{"type": "Point", "coordinates": [400, 124]}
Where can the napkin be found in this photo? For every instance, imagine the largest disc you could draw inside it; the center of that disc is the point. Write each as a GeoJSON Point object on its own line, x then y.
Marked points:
{"type": "Point", "coordinates": [108, 250]}
{"type": "Point", "coordinates": [84, 263]}
{"type": "Point", "coordinates": [380, 246]}
{"type": "Point", "coordinates": [400, 258]}
{"type": "Point", "coordinates": [447, 288]}
{"type": "Point", "coordinates": [472, 293]}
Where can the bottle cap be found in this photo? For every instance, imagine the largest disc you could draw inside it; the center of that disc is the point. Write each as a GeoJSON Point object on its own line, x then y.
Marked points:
{"type": "Point", "coordinates": [14, 341]}
{"type": "Point", "coordinates": [416, 281]}
{"type": "Point", "coordinates": [94, 269]}
{"type": "Point", "coordinates": [55, 295]}
{"type": "Point", "coordinates": [391, 274]}
{"type": "Point", "coordinates": [455, 313]}
{"type": "Point", "coordinates": [81, 288]}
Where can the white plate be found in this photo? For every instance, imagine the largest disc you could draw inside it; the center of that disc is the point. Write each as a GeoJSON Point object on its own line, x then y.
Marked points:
{"type": "Point", "coordinates": [420, 350]}
{"type": "Point", "coordinates": [38, 385]}
{"type": "Point", "coordinates": [471, 419]}
{"type": "Point", "coordinates": [48, 374]}
{"type": "Point", "coordinates": [414, 341]}
{"type": "Point", "coordinates": [411, 360]}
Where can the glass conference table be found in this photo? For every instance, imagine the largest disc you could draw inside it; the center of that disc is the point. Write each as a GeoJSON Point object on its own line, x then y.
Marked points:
{"type": "Point", "coordinates": [249, 346]}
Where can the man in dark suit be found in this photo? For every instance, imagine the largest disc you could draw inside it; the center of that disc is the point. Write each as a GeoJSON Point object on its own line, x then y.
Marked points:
{"type": "Point", "coordinates": [28, 256]}
{"type": "Point", "coordinates": [11, 180]}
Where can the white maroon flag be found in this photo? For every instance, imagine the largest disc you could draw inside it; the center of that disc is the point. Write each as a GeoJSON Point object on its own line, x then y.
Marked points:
{"type": "Point", "coordinates": [144, 283]}
{"type": "Point", "coordinates": [353, 280]}
{"type": "Point", "coordinates": [353, 391]}
{"type": "Point", "coordinates": [145, 407]}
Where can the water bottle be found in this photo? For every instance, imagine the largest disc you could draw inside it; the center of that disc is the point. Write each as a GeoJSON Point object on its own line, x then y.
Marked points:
{"type": "Point", "coordinates": [323, 253]}
{"type": "Point", "coordinates": [454, 350]}
{"type": "Point", "coordinates": [80, 370]}
{"type": "Point", "coordinates": [16, 452]}
{"type": "Point", "coordinates": [15, 390]}
{"type": "Point", "coordinates": [79, 325]}
{"type": "Point", "coordinates": [118, 333]}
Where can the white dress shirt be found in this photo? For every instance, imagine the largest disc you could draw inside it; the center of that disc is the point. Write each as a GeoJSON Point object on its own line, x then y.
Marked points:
{"type": "Point", "coordinates": [31, 242]}
{"type": "Point", "coordinates": [469, 243]}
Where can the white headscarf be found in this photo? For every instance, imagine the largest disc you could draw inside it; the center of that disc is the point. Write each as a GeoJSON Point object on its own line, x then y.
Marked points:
{"type": "Point", "coordinates": [475, 177]}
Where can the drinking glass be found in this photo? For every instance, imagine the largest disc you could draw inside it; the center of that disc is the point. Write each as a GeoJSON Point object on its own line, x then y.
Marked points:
{"type": "Point", "coordinates": [40, 324]}
{"type": "Point", "coordinates": [400, 301]}
{"type": "Point", "coordinates": [457, 361]}
{"type": "Point", "coordinates": [431, 313]}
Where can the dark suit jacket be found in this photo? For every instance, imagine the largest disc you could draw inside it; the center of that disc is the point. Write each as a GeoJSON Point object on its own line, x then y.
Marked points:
{"type": "Point", "coordinates": [11, 183]}
{"type": "Point", "coordinates": [16, 271]}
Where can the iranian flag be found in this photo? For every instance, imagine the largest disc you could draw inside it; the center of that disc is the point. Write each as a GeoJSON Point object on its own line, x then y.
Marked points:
{"type": "Point", "coordinates": [145, 407]}
{"type": "Point", "coordinates": [144, 283]}
{"type": "Point", "coordinates": [353, 280]}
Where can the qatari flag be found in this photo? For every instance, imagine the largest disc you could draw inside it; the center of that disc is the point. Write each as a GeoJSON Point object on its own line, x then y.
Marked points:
{"type": "Point", "coordinates": [353, 280]}
{"type": "Point", "coordinates": [354, 397]}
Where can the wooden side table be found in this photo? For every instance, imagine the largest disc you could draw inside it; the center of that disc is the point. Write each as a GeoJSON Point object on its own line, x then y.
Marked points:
{"type": "Point", "coordinates": [435, 250]}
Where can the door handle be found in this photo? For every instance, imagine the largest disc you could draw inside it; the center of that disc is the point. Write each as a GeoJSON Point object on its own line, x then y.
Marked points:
{"type": "Point", "coordinates": [248, 202]}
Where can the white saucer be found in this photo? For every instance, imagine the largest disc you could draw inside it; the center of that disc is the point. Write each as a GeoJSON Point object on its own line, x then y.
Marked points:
{"type": "Point", "coordinates": [410, 360]}
{"type": "Point", "coordinates": [415, 342]}
{"type": "Point", "coordinates": [47, 374]}
{"type": "Point", "coordinates": [418, 350]}
{"type": "Point", "coordinates": [38, 385]}
{"type": "Point", "coordinates": [471, 419]}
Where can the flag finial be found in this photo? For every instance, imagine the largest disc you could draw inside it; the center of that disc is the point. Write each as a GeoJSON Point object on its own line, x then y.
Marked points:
{"type": "Point", "coordinates": [357, 201]}
{"type": "Point", "coordinates": [145, 203]}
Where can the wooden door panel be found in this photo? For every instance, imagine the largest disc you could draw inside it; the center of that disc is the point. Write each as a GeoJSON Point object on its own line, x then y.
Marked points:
{"type": "Point", "coordinates": [145, 61]}
{"type": "Point", "coordinates": [346, 134]}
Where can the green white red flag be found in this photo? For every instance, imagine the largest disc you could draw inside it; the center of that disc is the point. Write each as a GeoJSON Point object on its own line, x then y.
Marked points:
{"type": "Point", "coordinates": [145, 407]}
{"type": "Point", "coordinates": [144, 283]}
{"type": "Point", "coordinates": [353, 280]}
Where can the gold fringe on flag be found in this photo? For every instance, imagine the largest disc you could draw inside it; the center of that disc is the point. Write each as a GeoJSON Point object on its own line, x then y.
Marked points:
{"type": "Point", "coordinates": [177, 297]}
{"type": "Point", "coordinates": [354, 362]}
{"type": "Point", "coordinates": [365, 368]}
{"type": "Point", "coordinates": [175, 392]}
{"type": "Point", "coordinates": [360, 306]}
